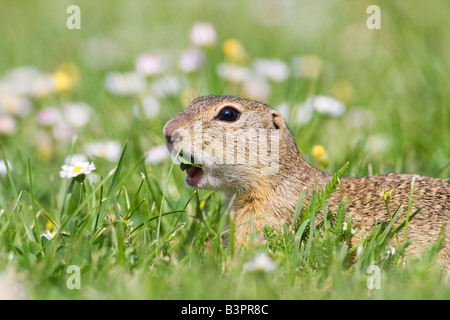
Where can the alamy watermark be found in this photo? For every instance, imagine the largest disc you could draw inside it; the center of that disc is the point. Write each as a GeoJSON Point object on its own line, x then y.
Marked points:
{"type": "Point", "coordinates": [74, 20]}
{"type": "Point", "coordinates": [374, 280]}
{"type": "Point", "coordinates": [74, 280]}
{"type": "Point", "coordinates": [374, 20]}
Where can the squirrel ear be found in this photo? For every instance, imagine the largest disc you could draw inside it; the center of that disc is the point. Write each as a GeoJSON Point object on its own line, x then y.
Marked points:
{"type": "Point", "coordinates": [277, 120]}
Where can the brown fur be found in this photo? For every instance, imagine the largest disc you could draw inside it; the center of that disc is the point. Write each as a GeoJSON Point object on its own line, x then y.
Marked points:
{"type": "Point", "coordinates": [271, 198]}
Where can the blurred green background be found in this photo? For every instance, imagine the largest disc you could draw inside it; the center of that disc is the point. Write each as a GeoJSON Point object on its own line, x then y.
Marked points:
{"type": "Point", "coordinates": [398, 73]}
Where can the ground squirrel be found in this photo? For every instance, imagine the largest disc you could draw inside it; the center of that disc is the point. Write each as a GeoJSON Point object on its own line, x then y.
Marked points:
{"type": "Point", "coordinates": [244, 148]}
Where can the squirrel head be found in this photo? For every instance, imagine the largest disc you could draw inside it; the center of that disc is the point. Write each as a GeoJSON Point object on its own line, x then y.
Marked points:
{"type": "Point", "coordinates": [227, 143]}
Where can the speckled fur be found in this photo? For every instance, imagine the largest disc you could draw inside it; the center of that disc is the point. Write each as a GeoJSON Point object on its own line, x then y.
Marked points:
{"type": "Point", "coordinates": [272, 198]}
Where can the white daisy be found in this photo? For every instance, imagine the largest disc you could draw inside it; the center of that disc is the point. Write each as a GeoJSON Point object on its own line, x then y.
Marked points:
{"type": "Point", "coordinates": [149, 107]}
{"type": "Point", "coordinates": [304, 113]}
{"type": "Point", "coordinates": [260, 262]}
{"type": "Point", "coordinates": [49, 116]}
{"type": "Point", "coordinates": [43, 86]}
{"type": "Point", "coordinates": [360, 118]}
{"type": "Point", "coordinates": [285, 110]}
{"type": "Point", "coordinates": [256, 88]}
{"type": "Point", "coordinates": [191, 60]}
{"type": "Point", "coordinates": [63, 131]}
{"type": "Point", "coordinates": [203, 34]}
{"type": "Point", "coordinates": [77, 114]}
{"type": "Point", "coordinates": [275, 70]}
{"type": "Point", "coordinates": [109, 150]}
{"type": "Point", "coordinates": [328, 105]}
{"type": "Point", "coordinates": [20, 81]}
{"type": "Point", "coordinates": [157, 154]}
{"type": "Point", "coordinates": [233, 73]}
{"type": "Point", "coordinates": [166, 86]}
{"type": "Point", "coordinates": [78, 168]}
{"type": "Point", "coordinates": [149, 64]}
{"type": "Point", "coordinates": [7, 124]}
{"type": "Point", "coordinates": [3, 171]}
{"type": "Point", "coordinates": [48, 235]}
{"type": "Point", "coordinates": [15, 105]}
{"type": "Point", "coordinates": [125, 83]}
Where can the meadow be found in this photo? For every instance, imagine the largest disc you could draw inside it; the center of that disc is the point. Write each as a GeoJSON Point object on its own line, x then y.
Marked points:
{"type": "Point", "coordinates": [119, 222]}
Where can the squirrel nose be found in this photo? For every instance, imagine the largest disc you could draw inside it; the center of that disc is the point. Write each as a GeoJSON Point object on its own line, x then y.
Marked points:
{"type": "Point", "coordinates": [169, 129]}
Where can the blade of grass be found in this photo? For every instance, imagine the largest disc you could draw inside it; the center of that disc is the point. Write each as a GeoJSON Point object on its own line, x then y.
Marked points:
{"type": "Point", "coordinates": [119, 231]}
{"type": "Point", "coordinates": [166, 186]}
{"type": "Point", "coordinates": [154, 218]}
{"type": "Point", "coordinates": [298, 208]}
{"type": "Point", "coordinates": [28, 230]}
{"type": "Point", "coordinates": [409, 207]}
{"type": "Point", "coordinates": [33, 205]}
{"type": "Point", "coordinates": [16, 204]}
{"type": "Point", "coordinates": [111, 188]}
{"type": "Point", "coordinates": [311, 227]}
{"type": "Point", "coordinates": [86, 200]}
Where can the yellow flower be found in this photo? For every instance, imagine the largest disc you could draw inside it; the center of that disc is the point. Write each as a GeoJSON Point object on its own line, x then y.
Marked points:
{"type": "Point", "coordinates": [234, 50]}
{"type": "Point", "coordinates": [318, 151]}
{"type": "Point", "coordinates": [387, 195]}
{"type": "Point", "coordinates": [202, 204]}
{"type": "Point", "coordinates": [49, 225]}
{"type": "Point", "coordinates": [61, 80]}
{"type": "Point", "coordinates": [66, 76]}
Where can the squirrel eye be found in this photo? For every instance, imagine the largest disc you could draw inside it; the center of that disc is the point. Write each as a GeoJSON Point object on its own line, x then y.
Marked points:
{"type": "Point", "coordinates": [228, 114]}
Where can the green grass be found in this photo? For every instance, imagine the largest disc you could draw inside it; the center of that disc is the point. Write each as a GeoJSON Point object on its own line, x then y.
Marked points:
{"type": "Point", "coordinates": [139, 232]}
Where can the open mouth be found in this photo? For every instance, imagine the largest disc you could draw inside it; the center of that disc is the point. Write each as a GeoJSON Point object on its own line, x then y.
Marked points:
{"type": "Point", "coordinates": [194, 171]}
